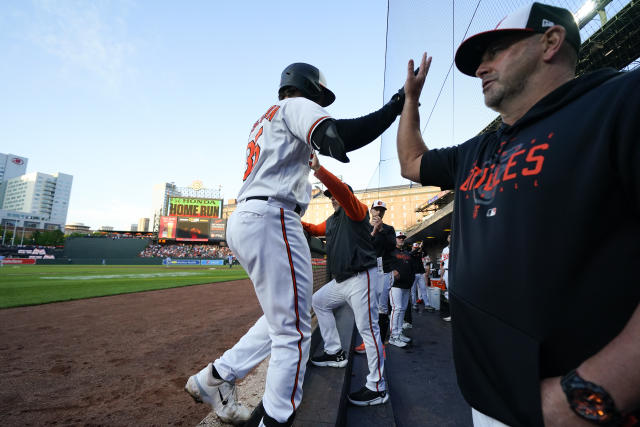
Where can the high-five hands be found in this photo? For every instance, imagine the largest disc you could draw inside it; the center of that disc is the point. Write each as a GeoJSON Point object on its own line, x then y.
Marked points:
{"type": "Point", "coordinates": [414, 83]}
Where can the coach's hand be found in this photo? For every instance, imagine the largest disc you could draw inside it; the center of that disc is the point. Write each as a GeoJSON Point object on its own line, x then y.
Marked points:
{"type": "Point", "coordinates": [376, 223]}
{"type": "Point", "coordinates": [414, 83]}
{"type": "Point", "coordinates": [315, 163]}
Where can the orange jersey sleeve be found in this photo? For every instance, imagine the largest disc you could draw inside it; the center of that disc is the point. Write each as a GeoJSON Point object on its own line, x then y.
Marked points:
{"type": "Point", "coordinates": [354, 208]}
{"type": "Point", "coordinates": [315, 229]}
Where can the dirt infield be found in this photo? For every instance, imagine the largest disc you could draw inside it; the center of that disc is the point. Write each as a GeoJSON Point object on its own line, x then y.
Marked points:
{"type": "Point", "coordinates": [120, 360]}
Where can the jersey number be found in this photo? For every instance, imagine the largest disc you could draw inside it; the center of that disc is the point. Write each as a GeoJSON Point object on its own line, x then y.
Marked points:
{"type": "Point", "coordinates": [253, 154]}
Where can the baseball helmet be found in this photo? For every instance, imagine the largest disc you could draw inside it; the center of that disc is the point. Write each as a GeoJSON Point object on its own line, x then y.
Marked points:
{"type": "Point", "coordinates": [308, 80]}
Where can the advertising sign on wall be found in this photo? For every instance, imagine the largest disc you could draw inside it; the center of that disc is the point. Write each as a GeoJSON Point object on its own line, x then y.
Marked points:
{"type": "Point", "coordinates": [184, 262]}
{"type": "Point", "coordinates": [202, 208]}
{"type": "Point", "coordinates": [212, 262]}
{"type": "Point", "coordinates": [167, 228]}
{"type": "Point", "coordinates": [18, 261]}
{"type": "Point", "coordinates": [218, 228]}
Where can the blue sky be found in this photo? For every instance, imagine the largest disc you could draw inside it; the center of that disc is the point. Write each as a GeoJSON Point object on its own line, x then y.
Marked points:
{"type": "Point", "coordinates": [126, 94]}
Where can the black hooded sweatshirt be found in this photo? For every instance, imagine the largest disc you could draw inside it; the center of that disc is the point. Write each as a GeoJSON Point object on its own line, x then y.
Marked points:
{"type": "Point", "coordinates": [540, 208]}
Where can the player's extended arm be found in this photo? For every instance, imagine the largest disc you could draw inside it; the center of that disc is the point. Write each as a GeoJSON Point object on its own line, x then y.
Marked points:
{"type": "Point", "coordinates": [354, 208]}
{"type": "Point", "coordinates": [363, 130]}
{"type": "Point", "coordinates": [335, 138]}
{"type": "Point", "coordinates": [315, 229]}
{"type": "Point", "coordinates": [411, 146]}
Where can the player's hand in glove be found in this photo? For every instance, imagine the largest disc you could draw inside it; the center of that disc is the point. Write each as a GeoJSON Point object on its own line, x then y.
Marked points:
{"type": "Point", "coordinates": [397, 100]}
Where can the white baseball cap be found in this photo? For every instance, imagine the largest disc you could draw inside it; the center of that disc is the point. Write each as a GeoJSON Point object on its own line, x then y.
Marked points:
{"type": "Point", "coordinates": [532, 18]}
{"type": "Point", "coordinates": [416, 245]}
{"type": "Point", "coordinates": [400, 234]}
{"type": "Point", "coordinates": [379, 204]}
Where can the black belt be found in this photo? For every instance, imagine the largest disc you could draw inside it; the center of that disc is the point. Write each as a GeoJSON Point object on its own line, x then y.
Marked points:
{"type": "Point", "coordinates": [297, 209]}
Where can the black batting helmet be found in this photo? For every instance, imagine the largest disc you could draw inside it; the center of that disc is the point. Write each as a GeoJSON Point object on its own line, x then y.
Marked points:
{"type": "Point", "coordinates": [308, 80]}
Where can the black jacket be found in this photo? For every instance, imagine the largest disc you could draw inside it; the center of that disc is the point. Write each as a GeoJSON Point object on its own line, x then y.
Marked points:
{"type": "Point", "coordinates": [349, 246]}
{"type": "Point", "coordinates": [417, 255]}
{"type": "Point", "coordinates": [539, 207]}
{"type": "Point", "coordinates": [405, 266]}
{"type": "Point", "coordinates": [385, 242]}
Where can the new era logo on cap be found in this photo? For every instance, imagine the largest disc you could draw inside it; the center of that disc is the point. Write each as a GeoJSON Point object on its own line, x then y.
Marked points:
{"type": "Point", "coordinates": [532, 18]}
{"type": "Point", "coordinates": [379, 204]}
{"type": "Point", "coordinates": [547, 23]}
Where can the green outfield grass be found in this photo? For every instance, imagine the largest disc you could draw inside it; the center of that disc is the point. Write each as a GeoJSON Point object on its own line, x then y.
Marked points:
{"type": "Point", "coordinates": [39, 284]}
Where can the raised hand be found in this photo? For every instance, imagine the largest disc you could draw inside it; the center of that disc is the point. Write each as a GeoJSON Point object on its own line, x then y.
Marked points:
{"type": "Point", "coordinates": [414, 83]}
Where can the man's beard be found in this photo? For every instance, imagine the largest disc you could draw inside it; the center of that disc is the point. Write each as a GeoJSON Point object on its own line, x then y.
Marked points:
{"type": "Point", "coordinates": [510, 84]}
{"type": "Point", "coordinates": [496, 95]}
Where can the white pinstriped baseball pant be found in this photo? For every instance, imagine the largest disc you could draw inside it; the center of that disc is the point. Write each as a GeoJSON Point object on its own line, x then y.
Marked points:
{"type": "Point", "coordinates": [268, 240]}
{"type": "Point", "coordinates": [399, 298]}
{"type": "Point", "coordinates": [360, 293]}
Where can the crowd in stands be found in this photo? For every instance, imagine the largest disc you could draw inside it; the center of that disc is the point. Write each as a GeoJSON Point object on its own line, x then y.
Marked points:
{"type": "Point", "coordinates": [113, 236]}
{"type": "Point", "coordinates": [183, 250]}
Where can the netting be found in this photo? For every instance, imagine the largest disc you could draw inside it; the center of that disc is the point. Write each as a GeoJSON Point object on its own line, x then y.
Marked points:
{"type": "Point", "coordinates": [452, 108]}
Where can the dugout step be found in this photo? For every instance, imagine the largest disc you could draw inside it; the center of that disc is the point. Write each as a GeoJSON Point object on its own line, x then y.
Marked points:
{"type": "Point", "coordinates": [324, 400]}
{"type": "Point", "coordinates": [421, 377]}
{"type": "Point", "coordinates": [370, 416]}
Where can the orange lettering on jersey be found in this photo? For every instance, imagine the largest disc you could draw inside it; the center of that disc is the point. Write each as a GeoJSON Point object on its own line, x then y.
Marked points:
{"type": "Point", "coordinates": [465, 185]}
{"type": "Point", "coordinates": [253, 155]}
{"type": "Point", "coordinates": [477, 172]}
{"type": "Point", "coordinates": [484, 175]}
{"type": "Point", "coordinates": [539, 160]}
{"type": "Point", "coordinates": [271, 112]}
{"type": "Point", "coordinates": [268, 115]}
{"type": "Point", "coordinates": [493, 180]}
{"type": "Point", "coordinates": [507, 176]}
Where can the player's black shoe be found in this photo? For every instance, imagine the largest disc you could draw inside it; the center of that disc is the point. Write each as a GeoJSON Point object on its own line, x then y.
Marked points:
{"type": "Point", "coordinates": [338, 360]}
{"type": "Point", "coordinates": [366, 397]}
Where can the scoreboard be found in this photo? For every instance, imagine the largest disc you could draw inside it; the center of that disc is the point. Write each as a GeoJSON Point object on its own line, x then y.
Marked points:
{"type": "Point", "coordinates": [193, 220]}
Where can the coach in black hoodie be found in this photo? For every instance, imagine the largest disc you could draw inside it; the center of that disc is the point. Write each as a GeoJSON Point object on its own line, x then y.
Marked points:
{"type": "Point", "coordinates": [557, 184]}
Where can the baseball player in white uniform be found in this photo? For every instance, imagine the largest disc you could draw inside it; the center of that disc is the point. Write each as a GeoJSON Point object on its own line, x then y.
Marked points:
{"type": "Point", "coordinates": [445, 272]}
{"type": "Point", "coordinates": [445, 263]}
{"type": "Point", "coordinates": [267, 239]}
{"type": "Point", "coordinates": [266, 236]}
{"type": "Point", "coordinates": [419, 288]}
